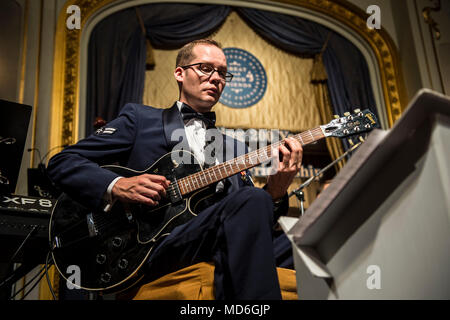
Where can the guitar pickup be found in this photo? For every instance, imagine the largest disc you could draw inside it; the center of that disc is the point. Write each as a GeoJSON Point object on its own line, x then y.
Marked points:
{"type": "Point", "coordinates": [174, 191]}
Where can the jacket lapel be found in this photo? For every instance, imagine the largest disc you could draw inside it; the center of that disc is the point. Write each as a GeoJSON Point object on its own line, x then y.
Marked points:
{"type": "Point", "coordinates": [174, 129]}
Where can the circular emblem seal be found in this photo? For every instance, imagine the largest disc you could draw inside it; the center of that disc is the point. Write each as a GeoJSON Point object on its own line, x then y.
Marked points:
{"type": "Point", "coordinates": [249, 79]}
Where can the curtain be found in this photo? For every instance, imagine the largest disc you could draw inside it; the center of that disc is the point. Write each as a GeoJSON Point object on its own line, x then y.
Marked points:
{"type": "Point", "coordinates": [117, 52]}
{"type": "Point", "coordinates": [348, 76]}
{"type": "Point", "coordinates": [319, 80]}
{"type": "Point", "coordinates": [111, 43]}
{"type": "Point", "coordinates": [334, 145]}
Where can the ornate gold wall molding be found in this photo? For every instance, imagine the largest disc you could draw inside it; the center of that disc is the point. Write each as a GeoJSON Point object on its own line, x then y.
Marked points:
{"type": "Point", "coordinates": [65, 103]}
{"type": "Point", "coordinates": [66, 75]}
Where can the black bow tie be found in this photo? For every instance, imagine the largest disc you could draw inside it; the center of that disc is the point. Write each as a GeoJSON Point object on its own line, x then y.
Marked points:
{"type": "Point", "coordinates": [209, 118]}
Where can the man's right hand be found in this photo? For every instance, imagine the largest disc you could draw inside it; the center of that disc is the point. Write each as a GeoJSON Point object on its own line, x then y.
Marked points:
{"type": "Point", "coordinates": [146, 188]}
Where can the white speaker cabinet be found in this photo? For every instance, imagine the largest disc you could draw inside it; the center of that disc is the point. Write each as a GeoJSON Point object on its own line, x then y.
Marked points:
{"type": "Point", "coordinates": [381, 230]}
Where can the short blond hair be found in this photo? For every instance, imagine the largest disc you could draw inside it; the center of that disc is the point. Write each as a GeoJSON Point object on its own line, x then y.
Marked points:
{"type": "Point", "coordinates": [186, 55]}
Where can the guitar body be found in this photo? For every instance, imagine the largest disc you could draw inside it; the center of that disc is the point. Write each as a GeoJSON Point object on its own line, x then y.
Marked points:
{"type": "Point", "coordinates": [109, 248]}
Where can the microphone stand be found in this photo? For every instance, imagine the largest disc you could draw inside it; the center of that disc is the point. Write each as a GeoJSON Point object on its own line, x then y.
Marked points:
{"type": "Point", "coordinates": [299, 191]}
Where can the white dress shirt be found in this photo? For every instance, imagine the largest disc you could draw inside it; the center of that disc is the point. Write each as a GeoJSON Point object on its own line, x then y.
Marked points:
{"type": "Point", "coordinates": [196, 135]}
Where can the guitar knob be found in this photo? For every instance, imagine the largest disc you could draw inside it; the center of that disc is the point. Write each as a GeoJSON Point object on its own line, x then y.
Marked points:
{"type": "Point", "coordinates": [117, 242]}
{"type": "Point", "coordinates": [105, 277]}
{"type": "Point", "coordinates": [100, 258]}
{"type": "Point", "coordinates": [123, 264]}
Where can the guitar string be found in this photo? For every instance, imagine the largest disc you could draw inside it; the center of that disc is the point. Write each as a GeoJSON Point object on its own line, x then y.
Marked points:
{"type": "Point", "coordinates": [235, 164]}
{"type": "Point", "coordinates": [252, 156]}
{"type": "Point", "coordinates": [103, 221]}
{"type": "Point", "coordinates": [245, 160]}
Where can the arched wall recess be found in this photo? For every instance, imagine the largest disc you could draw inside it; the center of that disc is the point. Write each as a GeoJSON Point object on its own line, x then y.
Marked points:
{"type": "Point", "coordinates": [70, 59]}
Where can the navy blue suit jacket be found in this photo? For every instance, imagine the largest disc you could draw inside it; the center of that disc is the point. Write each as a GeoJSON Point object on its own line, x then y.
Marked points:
{"type": "Point", "coordinates": [137, 138]}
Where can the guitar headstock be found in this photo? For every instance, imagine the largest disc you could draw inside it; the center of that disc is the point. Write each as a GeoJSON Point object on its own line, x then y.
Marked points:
{"type": "Point", "coordinates": [350, 124]}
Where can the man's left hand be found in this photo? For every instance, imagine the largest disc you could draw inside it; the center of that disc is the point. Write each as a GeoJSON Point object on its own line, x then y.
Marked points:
{"type": "Point", "coordinates": [290, 164]}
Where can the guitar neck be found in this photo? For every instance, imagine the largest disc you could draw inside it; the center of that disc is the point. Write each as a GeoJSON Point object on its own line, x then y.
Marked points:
{"type": "Point", "coordinates": [226, 169]}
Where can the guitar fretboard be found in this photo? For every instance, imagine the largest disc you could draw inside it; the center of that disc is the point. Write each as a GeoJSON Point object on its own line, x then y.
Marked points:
{"type": "Point", "coordinates": [226, 169]}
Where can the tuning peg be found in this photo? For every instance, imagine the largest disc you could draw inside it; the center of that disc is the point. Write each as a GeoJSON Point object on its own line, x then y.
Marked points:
{"type": "Point", "coordinates": [346, 114]}
{"type": "Point", "coordinates": [350, 141]}
{"type": "Point", "coordinates": [361, 139]}
{"type": "Point", "coordinates": [336, 116]}
{"type": "Point", "coordinates": [358, 112]}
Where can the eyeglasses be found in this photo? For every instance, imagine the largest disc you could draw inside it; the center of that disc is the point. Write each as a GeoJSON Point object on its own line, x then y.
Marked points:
{"type": "Point", "coordinates": [208, 70]}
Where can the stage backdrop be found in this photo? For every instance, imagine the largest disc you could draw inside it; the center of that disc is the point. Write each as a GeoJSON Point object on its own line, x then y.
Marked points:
{"type": "Point", "coordinates": [289, 103]}
{"type": "Point", "coordinates": [300, 93]}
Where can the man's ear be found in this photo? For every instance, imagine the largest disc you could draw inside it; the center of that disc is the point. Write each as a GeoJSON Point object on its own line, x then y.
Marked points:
{"type": "Point", "coordinates": [179, 75]}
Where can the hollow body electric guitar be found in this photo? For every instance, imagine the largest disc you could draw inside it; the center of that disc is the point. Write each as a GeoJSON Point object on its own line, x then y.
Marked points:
{"type": "Point", "coordinates": [108, 249]}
